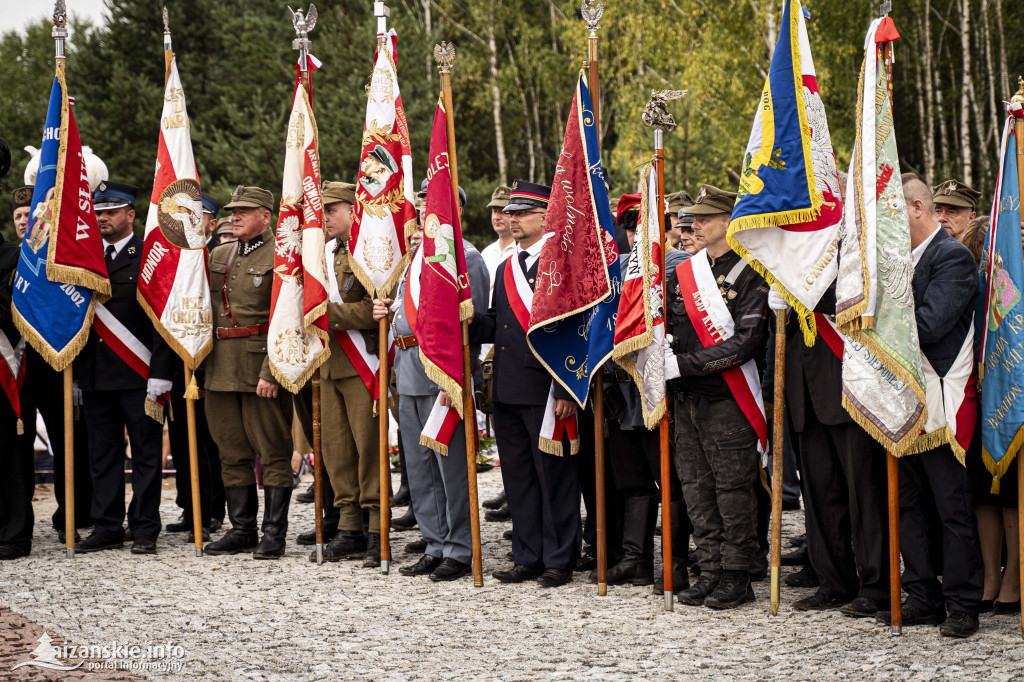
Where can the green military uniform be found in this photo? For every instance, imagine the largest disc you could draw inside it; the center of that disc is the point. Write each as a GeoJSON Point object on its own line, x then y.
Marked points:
{"type": "Point", "coordinates": [243, 424]}
{"type": "Point", "coordinates": [956, 193]}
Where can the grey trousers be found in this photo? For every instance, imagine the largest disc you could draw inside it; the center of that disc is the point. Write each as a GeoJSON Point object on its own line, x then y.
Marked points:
{"type": "Point", "coordinates": [438, 483]}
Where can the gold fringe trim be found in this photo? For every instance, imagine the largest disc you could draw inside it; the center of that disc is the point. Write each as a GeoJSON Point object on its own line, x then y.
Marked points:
{"type": "Point", "coordinates": [449, 385]}
{"type": "Point", "coordinates": [154, 410]}
{"type": "Point", "coordinates": [801, 110]}
{"type": "Point", "coordinates": [310, 318]}
{"type": "Point", "coordinates": [999, 469]}
{"type": "Point", "coordinates": [466, 310]}
{"type": "Point", "coordinates": [554, 447]}
{"type": "Point", "coordinates": [392, 280]}
{"type": "Point", "coordinates": [306, 375]}
{"type": "Point", "coordinates": [192, 390]}
{"type": "Point", "coordinates": [58, 360]}
{"type": "Point", "coordinates": [935, 439]}
{"type": "Point", "coordinates": [191, 363]}
{"type": "Point", "coordinates": [897, 448]}
{"type": "Point", "coordinates": [436, 445]}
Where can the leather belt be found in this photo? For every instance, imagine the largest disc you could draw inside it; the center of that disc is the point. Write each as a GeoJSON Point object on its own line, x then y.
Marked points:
{"type": "Point", "coordinates": [242, 332]}
{"type": "Point", "coordinates": [405, 342]}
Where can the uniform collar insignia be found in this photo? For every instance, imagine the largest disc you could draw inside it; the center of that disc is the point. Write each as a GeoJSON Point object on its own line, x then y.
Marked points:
{"type": "Point", "coordinates": [245, 248]}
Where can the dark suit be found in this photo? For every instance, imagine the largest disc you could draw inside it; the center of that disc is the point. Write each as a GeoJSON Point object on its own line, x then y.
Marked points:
{"type": "Point", "coordinates": [945, 290]}
{"type": "Point", "coordinates": [114, 397]}
{"type": "Point", "coordinates": [844, 473]}
{"type": "Point", "coordinates": [542, 490]}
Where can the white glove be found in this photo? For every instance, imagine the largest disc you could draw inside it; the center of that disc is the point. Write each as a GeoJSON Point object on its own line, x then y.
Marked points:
{"type": "Point", "coordinates": [671, 364]}
{"type": "Point", "coordinates": [156, 388]}
{"type": "Point", "coordinates": [76, 394]}
{"type": "Point", "coordinates": [776, 302]}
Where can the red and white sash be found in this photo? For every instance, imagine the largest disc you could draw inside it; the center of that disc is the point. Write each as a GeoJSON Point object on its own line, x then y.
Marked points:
{"type": "Point", "coordinates": [12, 374]}
{"type": "Point", "coordinates": [952, 403]}
{"type": "Point", "coordinates": [713, 323]}
{"type": "Point", "coordinates": [128, 347]}
{"type": "Point", "coordinates": [520, 298]}
{"type": "Point", "coordinates": [365, 362]}
{"type": "Point", "coordinates": [832, 337]}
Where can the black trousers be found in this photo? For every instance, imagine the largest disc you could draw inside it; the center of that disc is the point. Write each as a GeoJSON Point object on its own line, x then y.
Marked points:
{"type": "Point", "coordinates": [108, 414]}
{"type": "Point", "coordinates": [44, 391]}
{"type": "Point", "coordinates": [613, 502]}
{"type": "Point", "coordinates": [211, 485]}
{"type": "Point", "coordinates": [846, 509]}
{"type": "Point", "coordinates": [17, 481]}
{"type": "Point", "coordinates": [635, 462]}
{"type": "Point", "coordinates": [939, 472]}
{"type": "Point", "coordinates": [542, 490]}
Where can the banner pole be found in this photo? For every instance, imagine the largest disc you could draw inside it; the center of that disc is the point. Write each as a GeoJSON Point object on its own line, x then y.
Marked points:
{"type": "Point", "coordinates": [663, 429]}
{"type": "Point", "coordinates": [1019, 134]}
{"type": "Point", "coordinates": [778, 433]}
{"type": "Point", "coordinates": [69, 466]}
{"type": "Point", "coordinates": [592, 13]}
{"type": "Point", "coordinates": [895, 580]}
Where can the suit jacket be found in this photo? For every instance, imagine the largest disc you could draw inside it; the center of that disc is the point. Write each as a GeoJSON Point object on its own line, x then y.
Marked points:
{"type": "Point", "coordinates": [355, 313]}
{"type": "Point", "coordinates": [99, 367]}
{"type": "Point", "coordinates": [945, 293]}
{"type": "Point", "coordinates": [518, 377]}
{"type": "Point", "coordinates": [412, 378]}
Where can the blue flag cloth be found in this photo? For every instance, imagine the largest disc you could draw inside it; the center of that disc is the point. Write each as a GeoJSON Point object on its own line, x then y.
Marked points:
{"type": "Point", "coordinates": [576, 297]}
{"type": "Point", "coordinates": [1002, 400]}
{"type": "Point", "coordinates": [53, 317]}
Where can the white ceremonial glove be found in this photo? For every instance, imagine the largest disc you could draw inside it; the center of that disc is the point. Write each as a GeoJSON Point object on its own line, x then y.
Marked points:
{"type": "Point", "coordinates": [156, 388]}
{"type": "Point", "coordinates": [671, 364]}
{"type": "Point", "coordinates": [76, 394]}
{"type": "Point", "coordinates": [776, 302]}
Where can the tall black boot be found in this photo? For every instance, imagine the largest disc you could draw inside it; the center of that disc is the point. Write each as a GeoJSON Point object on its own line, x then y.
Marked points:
{"type": "Point", "coordinates": [402, 495]}
{"type": "Point", "coordinates": [680, 550]}
{"type": "Point", "coordinates": [637, 564]}
{"type": "Point", "coordinates": [242, 504]}
{"type": "Point", "coordinates": [276, 501]}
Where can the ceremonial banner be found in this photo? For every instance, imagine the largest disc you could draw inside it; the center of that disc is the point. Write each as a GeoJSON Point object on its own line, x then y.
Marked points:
{"type": "Point", "coordinates": [61, 264]}
{"type": "Point", "coordinates": [444, 298]}
{"type": "Point", "coordinates": [297, 339]}
{"type": "Point", "coordinates": [385, 211]}
{"type": "Point", "coordinates": [883, 379]}
{"type": "Point", "coordinates": [1002, 410]}
{"type": "Point", "coordinates": [788, 209]}
{"type": "Point", "coordinates": [12, 374]}
{"type": "Point", "coordinates": [174, 287]}
{"type": "Point", "coordinates": [640, 323]}
{"type": "Point", "coordinates": [576, 295]}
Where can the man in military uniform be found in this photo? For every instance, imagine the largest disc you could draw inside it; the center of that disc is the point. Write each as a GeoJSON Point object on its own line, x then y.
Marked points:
{"type": "Point", "coordinates": [673, 233]}
{"type": "Point", "coordinates": [955, 206]}
{"type": "Point", "coordinates": [211, 207]}
{"type": "Point", "coordinates": [350, 442]}
{"type": "Point", "coordinates": [21, 198]}
{"type": "Point", "coordinates": [225, 234]}
{"type": "Point", "coordinates": [115, 394]}
{"type": "Point", "coordinates": [543, 490]}
{"type": "Point", "coordinates": [715, 444]}
{"type": "Point", "coordinates": [246, 409]}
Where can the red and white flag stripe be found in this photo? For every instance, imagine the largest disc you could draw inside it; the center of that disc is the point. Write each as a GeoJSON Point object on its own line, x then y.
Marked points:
{"type": "Point", "coordinates": [124, 344]}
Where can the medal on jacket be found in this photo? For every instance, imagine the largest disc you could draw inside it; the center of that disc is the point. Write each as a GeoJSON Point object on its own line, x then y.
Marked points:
{"type": "Point", "coordinates": [349, 283]}
{"type": "Point", "coordinates": [257, 280]}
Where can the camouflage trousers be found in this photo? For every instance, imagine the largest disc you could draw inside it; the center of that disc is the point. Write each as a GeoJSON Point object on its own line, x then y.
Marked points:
{"type": "Point", "coordinates": [716, 457]}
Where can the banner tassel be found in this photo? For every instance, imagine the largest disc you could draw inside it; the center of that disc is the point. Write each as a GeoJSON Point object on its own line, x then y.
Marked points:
{"type": "Point", "coordinates": [192, 392]}
{"type": "Point", "coordinates": [21, 427]}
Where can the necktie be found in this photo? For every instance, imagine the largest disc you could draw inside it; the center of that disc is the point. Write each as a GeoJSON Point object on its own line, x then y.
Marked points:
{"type": "Point", "coordinates": [109, 254]}
{"type": "Point", "coordinates": [523, 256]}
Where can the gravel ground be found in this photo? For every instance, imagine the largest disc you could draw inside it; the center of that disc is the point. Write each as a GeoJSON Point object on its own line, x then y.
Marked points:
{"type": "Point", "coordinates": [237, 618]}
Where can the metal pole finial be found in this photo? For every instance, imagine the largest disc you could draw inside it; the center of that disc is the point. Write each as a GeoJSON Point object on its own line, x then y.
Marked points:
{"type": "Point", "coordinates": [656, 112]}
{"type": "Point", "coordinates": [592, 11]}
{"type": "Point", "coordinates": [885, 8]}
{"type": "Point", "coordinates": [444, 55]}
{"type": "Point", "coordinates": [60, 26]}
{"type": "Point", "coordinates": [167, 25]}
{"type": "Point", "coordinates": [303, 23]}
{"type": "Point", "coordinates": [1019, 97]}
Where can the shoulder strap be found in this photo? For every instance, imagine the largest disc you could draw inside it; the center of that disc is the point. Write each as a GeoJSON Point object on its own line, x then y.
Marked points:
{"type": "Point", "coordinates": [735, 273]}
{"type": "Point", "coordinates": [224, 286]}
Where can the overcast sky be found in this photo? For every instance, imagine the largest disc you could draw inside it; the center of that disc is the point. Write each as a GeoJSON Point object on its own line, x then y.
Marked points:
{"type": "Point", "coordinates": [16, 14]}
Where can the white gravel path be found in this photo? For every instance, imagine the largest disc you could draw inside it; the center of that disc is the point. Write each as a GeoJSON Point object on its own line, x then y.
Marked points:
{"type": "Point", "coordinates": [238, 618]}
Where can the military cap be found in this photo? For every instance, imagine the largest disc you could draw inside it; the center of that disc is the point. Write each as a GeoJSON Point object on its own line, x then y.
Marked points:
{"type": "Point", "coordinates": [339, 191]}
{"type": "Point", "coordinates": [712, 200]}
{"type": "Point", "coordinates": [499, 197]}
{"type": "Point", "coordinates": [678, 200]}
{"type": "Point", "coordinates": [627, 202]}
{"type": "Point", "coordinates": [251, 197]}
{"type": "Point", "coordinates": [526, 195]}
{"type": "Point", "coordinates": [955, 193]}
{"type": "Point", "coordinates": [423, 191]}
{"type": "Point", "coordinates": [111, 195]}
{"type": "Point", "coordinates": [210, 205]}
{"type": "Point", "coordinates": [22, 196]}
{"type": "Point", "coordinates": [685, 219]}
{"type": "Point", "coordinates": [224, 226]}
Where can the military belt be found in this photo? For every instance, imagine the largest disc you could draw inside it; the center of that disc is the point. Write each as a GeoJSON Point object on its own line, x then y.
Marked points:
{"type": "Point", "coordinates": [242, 332]}
{"type": "Point", "coordinates": [405, 342]}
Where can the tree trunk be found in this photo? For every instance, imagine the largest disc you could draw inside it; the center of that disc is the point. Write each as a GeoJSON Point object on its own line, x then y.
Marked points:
{"type": "Point", "coordinates": [499, 135]}
{"type": "Point", "coordinates": [1004, 74]}
{"type": "Point", "coordinates": [965, 91]}
{"type": "Point", "coordinates": [531, 153]}
{"type": "Point", "coordinates": [428, 27]}
{"type": "Point", "coordinates": [539, 142]}
{"type": "Point", "coordinates": [925, 114]}
{"type": "Point", "coordinates": [990, 96]}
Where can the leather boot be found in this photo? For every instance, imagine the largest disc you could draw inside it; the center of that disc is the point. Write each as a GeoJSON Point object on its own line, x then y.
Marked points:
{"type": "Point", "coordinates": [406, 521]}
{"type": "Point", "coordinates": [372, 557]}
{"type": "Point", "coordinates": [680, 551]}
{"type": "Point", "coordinates": [733, 590]}
{"type": "Point", "coordinates": [276, 501]}
{"type": "Point", "coordinates": [242, 504]}
{"type": "Point", "coordinates": [637, 564]}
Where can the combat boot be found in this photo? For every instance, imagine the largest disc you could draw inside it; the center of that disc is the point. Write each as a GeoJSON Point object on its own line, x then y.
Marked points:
{"type": "Point", "coordinates": [637, 564]}
{"type": "Point", "coordinates": [733, 590]}
{"type": "Point", "coordinates": [696, 595]}
{"type": "Point", "coordinates": [371, 559]}
{"type": "Point", "coordinates": [276, 501]}
{"type": "Point", "coordinates": [346, 544]}
{"type": "Point", "coordinates": [243, 504]}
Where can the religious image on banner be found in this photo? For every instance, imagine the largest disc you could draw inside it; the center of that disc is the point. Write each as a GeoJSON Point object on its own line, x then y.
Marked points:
{"type": "Point", "coordinates": [174, 287]}
{"type": "Point", "coordinates": [1002, 324]}
{"type": "Point", "coordinates": [883, 377]}
{"type": "Point", "coordinates": [576, 296]}
{"type": "Point", "coordinates": [788, 209]}
{"type": "Point", "coordinates": [297, 338]}
{"type": "Point", "coordinates": [640, 323]}
{"type": "Point", "coordinates": [61, 270]}
{"type": "Point", "coordinates": [385, 210]}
